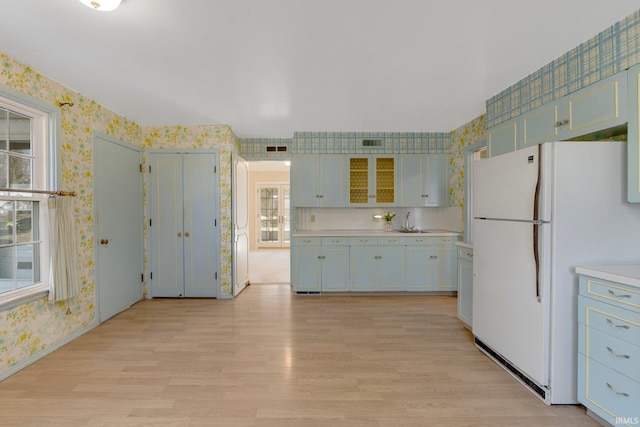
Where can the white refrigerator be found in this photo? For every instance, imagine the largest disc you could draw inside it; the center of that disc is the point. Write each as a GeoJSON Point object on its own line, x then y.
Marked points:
{"type": "Point", "coordinates": [538, 213]}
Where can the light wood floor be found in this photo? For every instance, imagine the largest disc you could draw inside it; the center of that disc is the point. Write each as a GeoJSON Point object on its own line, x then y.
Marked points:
{"type": "Point", "coordinates": [271, 359]}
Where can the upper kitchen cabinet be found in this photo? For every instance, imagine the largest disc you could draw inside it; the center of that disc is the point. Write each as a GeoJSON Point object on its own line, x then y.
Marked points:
{"type": "Point", "coordinates": [597, 110]}
{"type": "Point", "coordinates": [424, 180]}
{"type": "Point", "coordinates": [503, 138]}
{"type": "Point", "coordinates": [318, 181]}
{"type": "Point", "coordinates": [372, 180]}
{"type": "Point", "coordinates": [633, 136]}
{"type": "Point", "coordinates": [600, 106]}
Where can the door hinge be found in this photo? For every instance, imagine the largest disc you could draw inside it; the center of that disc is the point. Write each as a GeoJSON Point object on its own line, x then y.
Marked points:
{"type": "Point", "coordinates": [151, 275]}
{"type": "Point", "coordinates": [149, 168]}
{"type": "Point", "coordinates": [141, 168]}
{"type": "Point", "coordinates": [215, 222]}
{"type": "Point", "coordinates": [216, 275]}
{"type": "Point", "coordinates": [142, 277]}
{"type": "Point", "coordinates": [215, 169]}
{"type": "Point", "coordinates": [149, 222]}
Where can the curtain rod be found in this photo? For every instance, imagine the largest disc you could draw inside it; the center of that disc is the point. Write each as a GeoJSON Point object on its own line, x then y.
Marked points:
{"type": "Point", "coordinates": [55, 193]}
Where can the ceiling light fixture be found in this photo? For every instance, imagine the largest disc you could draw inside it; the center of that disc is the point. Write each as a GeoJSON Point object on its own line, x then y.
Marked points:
{"type": "Point", "coordinates": [102, 5]}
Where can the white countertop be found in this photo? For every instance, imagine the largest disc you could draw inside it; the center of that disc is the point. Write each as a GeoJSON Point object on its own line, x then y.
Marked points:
{"type": "Point", "coordinates": [350, 233]}
{"type": "Point", "coordinates": [628, 274]}
{"type": "Point", "coordinates": [464, 245]}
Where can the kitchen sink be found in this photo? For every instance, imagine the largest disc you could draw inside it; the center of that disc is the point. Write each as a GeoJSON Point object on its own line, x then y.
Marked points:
{"type": "Point", "coordinates": [410, 230]}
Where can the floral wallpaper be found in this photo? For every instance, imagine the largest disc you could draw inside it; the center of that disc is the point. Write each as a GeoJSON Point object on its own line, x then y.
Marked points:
{"type": "Point", "coordinates": [33, 328]}
{"type": "Point", "coordinates": [466, 135]}
{"type": "Point", "coordinates": [36, 326]}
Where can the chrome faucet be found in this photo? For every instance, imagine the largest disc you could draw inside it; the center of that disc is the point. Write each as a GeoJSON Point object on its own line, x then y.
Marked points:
{"type": "Point", "coordinates": [406, 225]}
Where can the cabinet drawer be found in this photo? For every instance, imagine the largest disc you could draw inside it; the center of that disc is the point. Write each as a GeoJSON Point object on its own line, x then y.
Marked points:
{"type": "Point", "coordinates": [391, 240]}
{"type": "Point", "coordinates": [620, 323]}
{"type": "Point", "coordinates": [610, 291]}
{"type": "Point", "coordinates": [465, 253]}
{"type": "Point", "coordinates": [418, 240]}
{"type": "Point", "coordinates": [335, 241]}
{"type": "Point", "coordinates": [355, 241]}
{"type": "Point", "coordinates": [606, 392]}
{"type": "Point", "coordinates": [619, 355]}
{"type": "Point", "coordinates": [307, 241]}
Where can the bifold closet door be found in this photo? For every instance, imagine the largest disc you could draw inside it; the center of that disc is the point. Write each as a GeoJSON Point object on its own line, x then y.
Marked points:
{"type": "Point", "coordinates": [182, 225]}
{"type": "Point", "coordinates": [200, 191]}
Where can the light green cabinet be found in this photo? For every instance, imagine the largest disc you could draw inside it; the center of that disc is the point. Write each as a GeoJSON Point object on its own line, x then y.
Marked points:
{"type": "Point", "coordinates": [376, 267]}
{"type": "Point", "coordinates": [503, 138]}
{"type": "Point", "coordinates": [319, 181]}
{"type": "Point", "coordinates": [306, 268]}
{"type": "Point", "coordinates": [430, 263]}
{"type": "Point", "coordinates": [608, 349]}
{"type": "Point", "coordinates": [320, 264]}
{"type": "Point", "coordinates": [335, 264]}
{"type": "Point", "coordinates": [633, 136]}
{"type": "Point", "coordinates": [423, 180]}
{"type": "Point", "coordinates": [465, 285]}
{"type": "Point", "coordinates": [372, 180]}
{"type": "Point", "coordinates": [593, 112]}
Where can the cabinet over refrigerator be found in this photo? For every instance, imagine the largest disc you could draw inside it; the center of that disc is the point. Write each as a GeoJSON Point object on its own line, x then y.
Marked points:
{"type": "Point", "coordinates": [539, 212]}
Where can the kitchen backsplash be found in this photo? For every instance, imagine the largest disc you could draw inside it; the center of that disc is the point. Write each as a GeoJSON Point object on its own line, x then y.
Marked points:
{"type": "Point", "coordinates": [313, 219]}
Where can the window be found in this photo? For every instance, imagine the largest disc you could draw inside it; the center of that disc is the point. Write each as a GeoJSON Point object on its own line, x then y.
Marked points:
{"type": "Point", "coordinates": [27, 138]}
{"type": "Point", "coordinates": [474, 153]}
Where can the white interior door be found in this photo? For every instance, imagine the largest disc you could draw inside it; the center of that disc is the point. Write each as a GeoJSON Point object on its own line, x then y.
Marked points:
{"type": "Point", "coordinates": [274, 221]}
{"type": "Point", "coordinates": [119, 223]}
{"type": "Point", "coordinates": [240, 224]}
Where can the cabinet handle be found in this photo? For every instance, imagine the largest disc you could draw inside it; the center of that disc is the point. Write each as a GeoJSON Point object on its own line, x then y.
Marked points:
{"type": "Point", "coordinates": [613, 294]}
{"type": "Point", "coordinates": [610, 323]}
{"type": "Point", "coordinates": [433, 257]}
{"type": "Point", "coordinates": [306, 241]}
{"type": "Point", "coordinates": [617, 393]}
{"type": "Point", "coordinates": [186, 234]}
{"type": "Point", "coordinates": [104, 241]}
{"type": "Point", "coordinates": [179, 234]}
{"type": "Point", "coordinates": [614, 354]}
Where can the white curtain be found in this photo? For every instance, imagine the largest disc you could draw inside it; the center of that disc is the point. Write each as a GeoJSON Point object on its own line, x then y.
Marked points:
{"type": "Point", "coordinates": [63, 251]}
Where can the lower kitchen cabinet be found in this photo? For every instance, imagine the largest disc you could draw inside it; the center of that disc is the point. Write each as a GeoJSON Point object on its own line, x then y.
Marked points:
{"type": "Point", "coordinates": [376, 267]}
{"type": "Point", "coordinates": [609, 349]}
{"type": "Point", "coordinates": [431, 264]}
{"type": "Point", "coordinates": [392, 263]}
{"type": "Point", "coordinates": [465, 285]}
{"type": "Point", "coordinates": [306, 264]}
{"type": "Point", "coordinates": [335, 264]}
{"type": "Point", "coordinates": [320, 264]}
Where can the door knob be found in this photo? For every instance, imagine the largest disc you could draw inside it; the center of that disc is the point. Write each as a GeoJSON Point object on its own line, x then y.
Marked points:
{"type": "Point", "coordinates": [186, 234]}
{"type": "Point", "coordinates": [104, 241]}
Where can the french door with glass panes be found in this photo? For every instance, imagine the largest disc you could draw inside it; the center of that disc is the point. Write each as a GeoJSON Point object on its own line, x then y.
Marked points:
{"type": "Point", "coordinates": [272, 204]}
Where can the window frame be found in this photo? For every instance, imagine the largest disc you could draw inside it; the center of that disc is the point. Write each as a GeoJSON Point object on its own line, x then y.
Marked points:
{"type": "Point", "coordinates": [46, 132]}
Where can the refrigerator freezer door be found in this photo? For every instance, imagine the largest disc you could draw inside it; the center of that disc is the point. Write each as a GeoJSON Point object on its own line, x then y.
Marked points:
{"type": "Point", "coordinates": [505, 186]}
{"type": "Point", "coordinates": [507, 314]}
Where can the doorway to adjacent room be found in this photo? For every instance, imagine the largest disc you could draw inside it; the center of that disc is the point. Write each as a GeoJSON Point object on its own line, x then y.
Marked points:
{"type": "Point", "coordinates": [270, 233]}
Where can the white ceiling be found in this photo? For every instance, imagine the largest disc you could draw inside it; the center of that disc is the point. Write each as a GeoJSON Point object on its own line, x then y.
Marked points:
{"type": "Point", "coordinates": [268, 68]}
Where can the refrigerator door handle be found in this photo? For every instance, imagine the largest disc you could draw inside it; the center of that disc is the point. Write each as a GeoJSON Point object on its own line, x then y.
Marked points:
{"type": "Point", "coordinates": [536, 257]}
{"type": "Point", "coordinates": [536, 223]}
